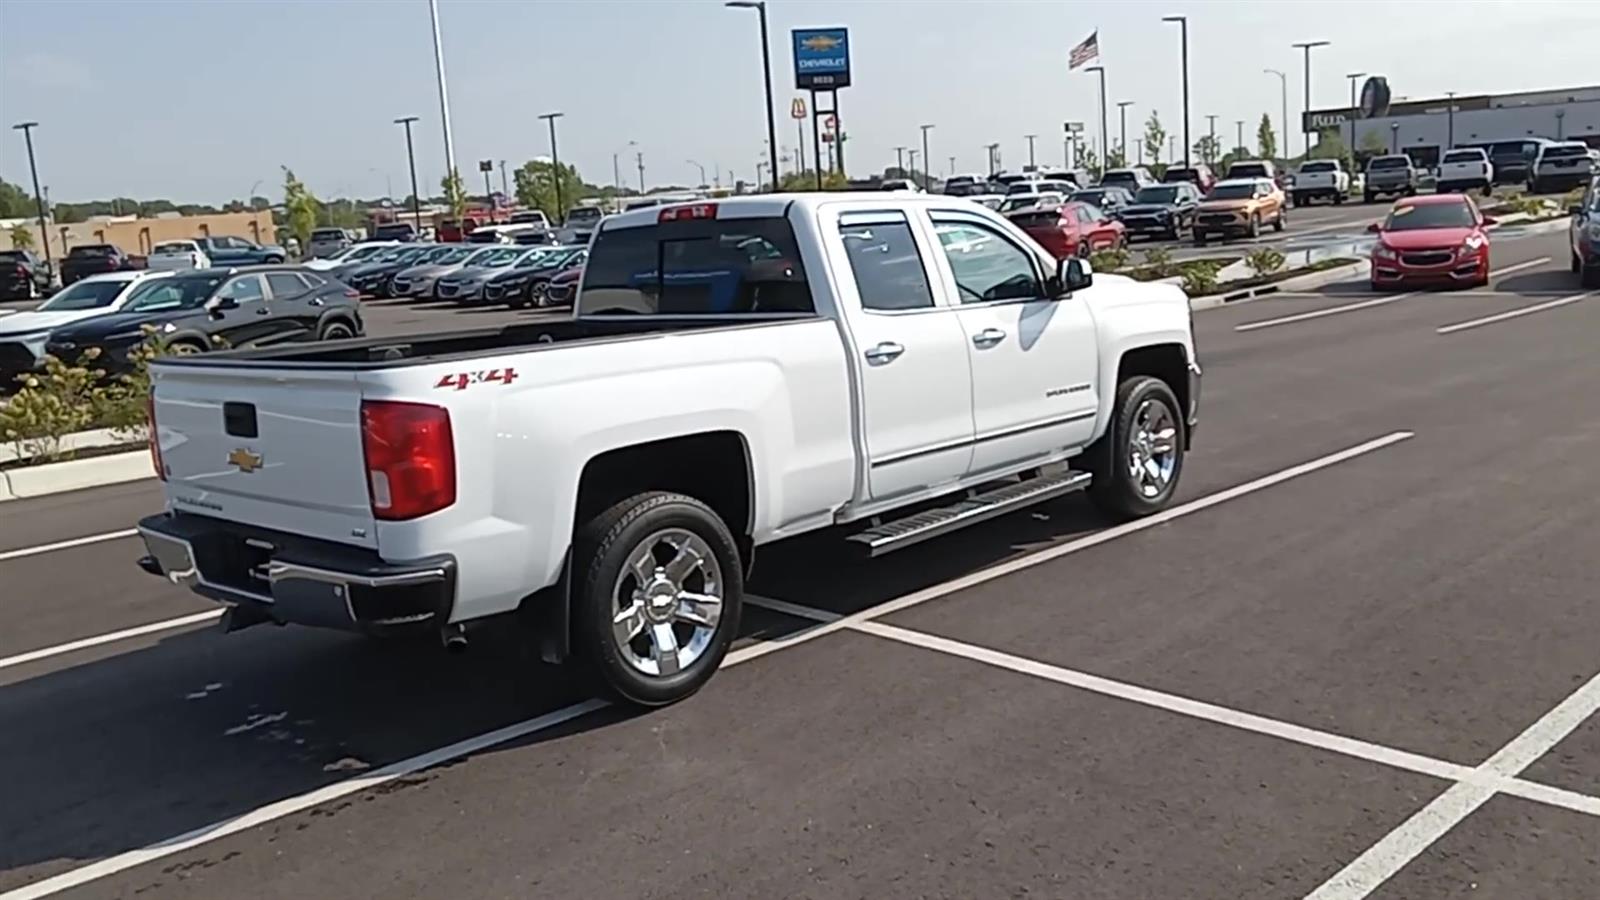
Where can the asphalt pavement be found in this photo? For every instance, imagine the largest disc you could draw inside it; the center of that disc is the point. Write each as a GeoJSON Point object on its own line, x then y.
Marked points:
{"type": "Point", "coordinates": [1356, 660]}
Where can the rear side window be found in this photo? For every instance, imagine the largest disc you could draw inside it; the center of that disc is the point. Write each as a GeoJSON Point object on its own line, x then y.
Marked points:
{"type": "Point", "coordinates": [285, 284]}
{"type": "Point", "coordinates": [888, 270]}
{"type": "Point", "coordinates": [696, 267]}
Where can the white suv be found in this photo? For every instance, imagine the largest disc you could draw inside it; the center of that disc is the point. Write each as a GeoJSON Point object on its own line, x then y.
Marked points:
{"type": "Point", "coordinates": [1465, 170]}
{"type": "Point", "coordinates": [1561, 166]}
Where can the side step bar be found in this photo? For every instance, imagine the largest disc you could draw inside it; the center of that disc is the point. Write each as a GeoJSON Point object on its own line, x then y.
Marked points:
{"type": "Point", "coordinates": [915, 529]}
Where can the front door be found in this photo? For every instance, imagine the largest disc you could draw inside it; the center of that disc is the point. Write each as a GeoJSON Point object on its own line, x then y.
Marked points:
{"type": "Point", "coordinates": [247, 324]}
{"type": "Point", "coordinates": [1034, 358]}
{"type": "Point", "coordinates": [917, 403]}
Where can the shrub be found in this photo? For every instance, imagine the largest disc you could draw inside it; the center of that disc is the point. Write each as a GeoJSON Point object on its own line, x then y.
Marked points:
{"type": "Point", "coordinates": [1264, 261]}
{"type": "Point", "coordinates": [1159, 261]}
{"type": "Point", "coordinates": [1200, 276]}
{"type": "Point", "coordinates": [1109, 260]}
{"type": "Point", "coordinates": [52, 404]}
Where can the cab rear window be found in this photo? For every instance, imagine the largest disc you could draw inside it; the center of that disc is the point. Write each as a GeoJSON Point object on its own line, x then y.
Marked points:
{"type": "Point", "coordinates": [696, 267]}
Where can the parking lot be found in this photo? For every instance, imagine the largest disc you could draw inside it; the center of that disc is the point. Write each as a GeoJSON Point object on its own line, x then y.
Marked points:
{"type": "Point", "coordinates": [1356, 660]}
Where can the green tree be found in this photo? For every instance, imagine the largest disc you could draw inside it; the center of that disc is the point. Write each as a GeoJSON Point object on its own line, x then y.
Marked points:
{"type": "Point", "coordinates": [300, 206]}
{"type": "Point", "coordinates": [807, 181]}
{"type": "Point", "coordinates": [455, 194]}
{"type": "Point", "coordinates": [1330, 145]}
{"type": "Point", "coordinates": [1155, 137]}
{"type": "Point", "coordinates": [536, 188]}
{"type": "Point", "coordinates": [1088, 159]}
{"type": "Point", "coordinates": [1207, 149]}
{"type": "Point", "coordinates": [1117, 158]}
{"type": "Point", "coordinates": [21, 237]}
{"type": "Point", "coordinates": [1266, 138]}
{"type": "Point", "coordinates": [14, 201]}
{"type": "Point", "coordinates": [1372, 144]}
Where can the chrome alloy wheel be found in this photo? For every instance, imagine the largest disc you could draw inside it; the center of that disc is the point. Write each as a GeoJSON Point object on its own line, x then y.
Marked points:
{"type": "Point", "coordinates": [666, 602]}
{"type": "Point", "coordinates": [1152, 449]}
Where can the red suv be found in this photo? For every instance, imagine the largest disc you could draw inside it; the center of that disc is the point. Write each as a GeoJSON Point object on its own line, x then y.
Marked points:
{"type": "Point", "coordinates": [1071, 229]}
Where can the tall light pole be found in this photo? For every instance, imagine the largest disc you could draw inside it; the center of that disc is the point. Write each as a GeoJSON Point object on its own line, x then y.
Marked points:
{"type": "Point", "coordinates": [760, 6]}
{"type": "Point", "coordinates": [1450, 118]}
{"type": "Point", "coordinates": [616, 168]}
{"type": "Point", "coordinates": [927, 161]}
{"type": "Point", "coordinates": [952, 165]}
{"type": "Point", "coordinates": [38, 197]}
{"type": "Point", "coordinates": [1101, 71]}
{"type": "Point", "coordinates": [411, 158]}
{"type": "Point", "coordinates": [555, 165]}
{"type": "Point", "coordinates": [994, 157]}
{"type": "Point", "coordinates": [1031, 138]}
{"type": "Point", "coordinates": [444, 96]}
{"type": "Point", "coordinates": [1305, 135]}
{"type": "Point", "coordinates": [1212, 120]}
{"type": "Point", "coordinates": [913, 154]}
{"type": "Point", "coordinates": [1283, 123]}
{"type": "Point", "coordinates": [1353, 76]}
{"type": "Point", "coordinates": [1122, 123]}
{"type": "Point", "coordinates": [1239, 137]}
{"type": "Point", "coordinates": [1183, 26]}
{"type": "Point", "coordinates": [638, 157]}
{"type": "Point", "coordinates": [504, 188]}
{"type": "Point", "coordinates": [900, 160]}
{"type": "Point", "coordinates": [702, 169]}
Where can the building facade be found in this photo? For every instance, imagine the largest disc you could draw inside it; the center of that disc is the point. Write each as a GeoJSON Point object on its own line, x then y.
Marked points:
{"type": "Point", "coordinates": [135, 235]}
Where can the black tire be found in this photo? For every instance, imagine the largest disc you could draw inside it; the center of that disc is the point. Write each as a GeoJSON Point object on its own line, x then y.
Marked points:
{"type": "Point", "coordinates": [1368, 197]}
{"type": "Point", "coordinates": [1487, 189]}
{"type": "Point", "coordinates": [1411, 192]}
{"type": "Point", "coordinates": [1083, 250]}
{"type": "Point", "coordinates": [274, 260]}
{"type": "Point", "coordinates": [1589, 277]}
{"type": "Point", "coordinates": [601, 550]}
{"type": "Point", "coordinates": [336, 331]}
{"type": "Point", "coordinates": [1296, 200]}
{"type": "Point", "coordinates": [1113, 489]}
{"type": "Point", "coordinates": [1255, 225]}
{"type": "Point", "coordinates": [1338, 199]}
{"type": "Point", "coordinates": [1199, 238]}
{"type": "Point", "coordinates": [1281, 221]}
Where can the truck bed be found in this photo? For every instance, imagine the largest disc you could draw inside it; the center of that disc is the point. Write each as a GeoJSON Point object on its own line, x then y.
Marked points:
{"type": "Point", "coordinates": [387, 352]}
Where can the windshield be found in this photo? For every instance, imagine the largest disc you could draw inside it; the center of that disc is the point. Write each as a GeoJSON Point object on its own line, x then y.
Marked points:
{"type": "Point", "coordinates": [1232, 192]}
{"type": "Point", "coordinates": [482, 257]}
{"type": "Point", "coordinates": [449, 256]}
{"type": "Point", "coordinates": [496, 259]}
{"type": "Point", "coordinates": [182, 292]}
{"type": "Point", "coordinates": [1118, 177]}
{"type": "Point", "coordinates": [327, 234]}
{"type": "Point", "coordinates": [1011, 203]}
{"type": "Point", "coordinates": [556, 258]}
{"type": "Point", "coordinates": [1157, 195]}
{"type": "Point", "coordinates": [174, 249]}
{"type": "Point", "coordinates": [530, 259]}
{"type": "Point", "coordinates": [584, 215]}
{"type": "Point", "coordinates": [355, 254]}
{"type": "Point", "coordinates": [92, 250]}
{"type": "Point", "coordinates": [964, 189]}
{"type": "Point", "coordinates": [1389, 162]}
{"type": "Point", "coordinates": [85, 295]}
{"type": "Point", "coordinates": [1418, 216]}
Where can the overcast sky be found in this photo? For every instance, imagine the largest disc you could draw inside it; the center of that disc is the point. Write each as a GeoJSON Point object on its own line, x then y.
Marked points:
{"type": "Point", "coordinates": [196, 101]}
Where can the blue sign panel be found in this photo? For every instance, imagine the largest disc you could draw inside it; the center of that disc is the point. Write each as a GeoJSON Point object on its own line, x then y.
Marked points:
{"type": "Point", "coordinates": [821, 58]}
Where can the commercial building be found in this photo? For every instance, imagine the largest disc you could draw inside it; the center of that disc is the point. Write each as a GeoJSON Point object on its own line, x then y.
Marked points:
{"type": "Point", "coordinates": [1423, 129]}
{"type": "Point", "coordinates": [136, 235]}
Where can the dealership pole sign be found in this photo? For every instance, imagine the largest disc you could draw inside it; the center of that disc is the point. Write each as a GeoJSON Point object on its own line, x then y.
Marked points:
{"type": "Point", "coordinates": [821, 58]}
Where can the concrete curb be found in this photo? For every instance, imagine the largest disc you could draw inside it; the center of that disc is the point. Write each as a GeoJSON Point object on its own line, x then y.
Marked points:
{"type": "Point", "coordinates": [79, 440]}
{"type": "Point", "coordinates": [1304, 282]}
{"type": "Point", "coordinates": [73, 475]}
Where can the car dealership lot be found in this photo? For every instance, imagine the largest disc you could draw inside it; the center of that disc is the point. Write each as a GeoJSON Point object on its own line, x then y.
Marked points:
{"type": "Point", "coordinates": [1380, 577]}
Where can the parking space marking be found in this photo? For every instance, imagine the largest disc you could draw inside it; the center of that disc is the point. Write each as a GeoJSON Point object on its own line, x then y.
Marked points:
{"type": "Point", "coordinates": [1368, 304]}
{"type": "Point", "coordinates": [1399, 847]}
{"type": "Point", "coordinates": [291, 805]}
{"type": "Point", "coordinates": [1513, 314]}
{"type": "Point", "coordinates": [67, 545]}
{"type": "Point", "coordinates": [111, 637]}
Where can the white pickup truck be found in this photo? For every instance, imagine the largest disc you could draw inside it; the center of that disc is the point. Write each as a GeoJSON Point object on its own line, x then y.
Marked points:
{"type": "Point", "coordinates": [735, 373]}
{"type": "Point", "coordinates": [1320, 179]}
{"type": "Point", "coordinates": [1466, 169]}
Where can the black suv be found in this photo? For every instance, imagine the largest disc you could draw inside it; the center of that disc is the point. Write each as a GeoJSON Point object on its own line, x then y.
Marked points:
{"type": "Point", "coordinates": [207, 309]}
{"type": "Point", "coordinates": [22, 275]}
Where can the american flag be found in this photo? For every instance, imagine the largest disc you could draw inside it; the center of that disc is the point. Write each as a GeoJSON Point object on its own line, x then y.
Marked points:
{"type": "Point", "coordinates": [1089, 49]}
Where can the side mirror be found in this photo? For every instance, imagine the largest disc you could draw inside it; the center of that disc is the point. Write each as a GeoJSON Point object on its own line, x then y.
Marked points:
{"type": "Point", "coordinates": [1490, 220]}
{"type": "Point", "coordinates": [1374, 228]}
{"type": "Point", "coordinates": [1073, 274]}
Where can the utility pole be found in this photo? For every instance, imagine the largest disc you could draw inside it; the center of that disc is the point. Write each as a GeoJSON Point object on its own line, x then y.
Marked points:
{"type": "Point", "coordinates": [1450, 118]}
{"type": "Point", "coordinates": [38, 196]}
{"type": "Point", "coordinates": [1183, 25]}
{"type": "Point", "coordinates": [1283, 122]}
{"type": "Point", "coordinates": [900, 160]}
{"type": "Point", "coordinates": [760, 7]}
{"type": "Point", "coordinates": [703, 182]}
{"type": "Point", "coordinates": [927, 161]}
{"type": "Point", "coordinates": [1122, 116]}
{"type": "Point", "coordinates": [1353, 113]}
{"type": "Point", "coordinates": [1213, 150]}
{"type": "Point", "coordinates": [411, 157]}
{"type": "Point", "coordinates": [1104, 142]}
{"type": "Point", "coordinates": [994, 158]}
{"type": "Point", "coordinates": [444, 96]}
{"type": "Point", "coordinates": [952, 165]}
{"type": "Point", "coordinates": [1031, 138]}
{"type": "Point", "coordinates": [555, 165]}
{"type": "Point", "coordinates": [1305, 135]}
{"type": "Point", "coordinates": [639, 158]}
{"type": "Point", "coordinates": [1238, 140]}
{"type": "Point", "coordinates": [504, 189]}
{"type": "Point", "coordinates": [913, 155]}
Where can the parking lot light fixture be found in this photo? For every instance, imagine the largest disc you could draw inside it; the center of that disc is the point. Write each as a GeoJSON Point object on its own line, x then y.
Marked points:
{"type": "Point", "coordinates": [1306, 46]}
{"type": "Point", "coordinates": [760, 7]}
{"type": "Point", "coordinates": [555, 165]}
{"type": "Point", "coordinates": [1353, 76]}
{"type": "Point", "coordinates": [927, 161]}
{"type": "Point", "coordinates": [38, 197]}
{"type": "Point", "coordinates": [1104, 144]}
{"type": "Point", "coordinates": [1183, 26]}
{"type": "Point", "coordinates": [411, 158]}
{"type": "Point", "coordinates": [1030, 139]}
{"type": "Point", "coordinates": [1122, 141]}
{"type": "Point", "coordinates": [702, 171]}
{"type": "Point", "coordinates": [1283, 122]}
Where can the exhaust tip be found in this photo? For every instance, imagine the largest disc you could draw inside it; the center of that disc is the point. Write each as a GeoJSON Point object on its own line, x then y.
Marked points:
{"type": "Point", "coordinates": [454, 638]}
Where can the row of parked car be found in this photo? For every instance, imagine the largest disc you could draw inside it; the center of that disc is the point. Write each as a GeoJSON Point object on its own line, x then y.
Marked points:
{"type": "Point", "coordinates": [24, 276]}
{"type": "Point", "coordinates": [515, 275]}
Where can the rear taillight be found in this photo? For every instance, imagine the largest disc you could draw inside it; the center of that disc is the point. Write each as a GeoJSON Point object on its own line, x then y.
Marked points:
{"type": "Point", "coordinates": [154, 439]}
{"type": "Point", "coordinates": [410, 456]}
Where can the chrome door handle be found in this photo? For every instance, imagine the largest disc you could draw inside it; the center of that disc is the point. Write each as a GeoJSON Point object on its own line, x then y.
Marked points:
{"type": "Point", "coordinates": [988, 337]}
{"type": "Point", "coordinates": [884, 352]}
{"type": "Point", "coordinates": [263, 311]}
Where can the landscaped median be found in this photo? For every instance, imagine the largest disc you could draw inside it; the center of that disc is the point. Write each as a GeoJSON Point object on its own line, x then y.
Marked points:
{"type": "Point", "coordinates": [1213, 281]}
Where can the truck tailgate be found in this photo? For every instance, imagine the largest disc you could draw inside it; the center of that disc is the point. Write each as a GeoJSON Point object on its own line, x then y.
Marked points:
{"type": "Point", "coordinates": [275, 448]}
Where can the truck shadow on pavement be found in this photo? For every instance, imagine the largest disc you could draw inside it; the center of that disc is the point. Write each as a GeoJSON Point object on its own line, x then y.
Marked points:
{"type": "Point", "coordinates": [125, 751]}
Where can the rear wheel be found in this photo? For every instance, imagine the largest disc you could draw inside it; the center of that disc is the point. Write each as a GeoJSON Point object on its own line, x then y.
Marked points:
{"type": "Point", "coordinates": [1083, 250]}
{"type": "Point", "coordinates": [336, 331]}
{"type": "Point", "coordinates": [657, 596]}
{"type": "Point", "coordinates": [1282, 220]}
{"type": "Point", "coordinates": [1137, 463]}
{"type": "Point", "coordinates": [1367, 197]}
{"type": "Point", "coordinates": [184, 348]}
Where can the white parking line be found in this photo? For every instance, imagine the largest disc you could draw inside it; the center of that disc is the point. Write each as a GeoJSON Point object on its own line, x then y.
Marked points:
{"type": "Point", "coordinates": [1513, 314]}
{"type": "Point", "coordinates": [209, 615]}
{"type": "Point", "coordinates": [1388, 856]}
{"type": "Point", "coordinates": [67, 545]}
{"type": "Point", "coordinates": [1368, 304]}
{"type": "Point", "coordinates": [290, 805]}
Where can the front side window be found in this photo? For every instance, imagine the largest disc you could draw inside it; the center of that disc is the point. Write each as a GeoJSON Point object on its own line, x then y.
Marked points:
{"type": "Point", "coordinates": [244, 289]}
{"type": "Point", "coordinates": [987, 267]}
{"type": "Point", "coordinates": [888, 270]}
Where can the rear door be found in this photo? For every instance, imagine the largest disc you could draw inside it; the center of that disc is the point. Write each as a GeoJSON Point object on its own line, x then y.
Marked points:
{"type": "Point", "coordinates": [295, 308]}
{"type": "Point", "coordinates": [277, 448]}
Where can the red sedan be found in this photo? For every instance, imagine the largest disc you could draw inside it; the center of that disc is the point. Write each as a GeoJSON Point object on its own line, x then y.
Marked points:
{"type": "Point", "coordinates": [1431, 240]}
{"type": "Point", "coordinates": [1071, 229]}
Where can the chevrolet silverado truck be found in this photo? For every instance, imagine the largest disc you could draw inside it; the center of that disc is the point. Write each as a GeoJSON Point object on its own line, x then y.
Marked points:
{"type": "Point", "coordinates": [735, 373]}
{"type": "Point", "coordinates": [1320, 179]}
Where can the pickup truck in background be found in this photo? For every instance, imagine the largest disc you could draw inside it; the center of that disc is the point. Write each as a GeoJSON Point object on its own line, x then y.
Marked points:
{"type": "Point", "coordinates": [225, 251]}
{"type": "Point", "coordinates": [95, 259]}
{"type": "Point", "coordinates": [1465, 170]}
{"type": "Point", "coordinates": [1392, 175]}
{"type": "Point", "coordinates": [735, 373]}
{"type": "Point", "coordinates": [1320, 179]}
